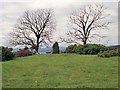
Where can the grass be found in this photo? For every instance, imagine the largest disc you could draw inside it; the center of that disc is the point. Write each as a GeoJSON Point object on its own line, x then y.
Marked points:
{"type": "Point", "coordinates": [61, 71]}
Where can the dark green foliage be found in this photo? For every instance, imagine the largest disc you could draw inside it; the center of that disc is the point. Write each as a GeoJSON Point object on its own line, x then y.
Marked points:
{"type": "Point", "coordinates": [93, 48]}
{"type": "Point", "coordinates": [79, 49]}
{"type": "Point", "coordinates": [7, 54]}
{"type": "Point", "coordinates": [118, 52]}
{"type": "Point", "coordinates": [71, 49]}
{"type": "Point", "coordinates": [85, 49]}
{"type": "Point", "coordinates": [109, 53]}
{"type": "Point", "coordinates": [23, 52]}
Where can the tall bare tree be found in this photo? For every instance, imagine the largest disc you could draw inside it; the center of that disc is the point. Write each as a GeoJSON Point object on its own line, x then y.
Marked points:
{"type": "Point", "coordinates": [34, 29]}
{"type": "Point", "coordinates": [85, 20]}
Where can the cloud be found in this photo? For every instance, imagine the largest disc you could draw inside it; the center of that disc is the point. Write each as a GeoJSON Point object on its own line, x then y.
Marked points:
{"type": "Point", "coordinates": [11, 11]}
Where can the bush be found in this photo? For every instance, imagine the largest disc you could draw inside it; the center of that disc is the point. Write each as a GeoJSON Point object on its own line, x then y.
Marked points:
{"type": "Point", "coordinates": [23, 52]}
{"type": "Point", "coordinates": [86, 49]}
{"type": "Point", "coordinates": [109, 53]}
{"type": "Point", "coordinates": [79, 49]}
{"type": "Point", "coordinates": [7, 53]}
{"type": "Point", "coordinates": [118, 52]}
{"type": "Point", "coordinates": [104, 54]}
{"type": "Point", "coordinates": [70, 49]}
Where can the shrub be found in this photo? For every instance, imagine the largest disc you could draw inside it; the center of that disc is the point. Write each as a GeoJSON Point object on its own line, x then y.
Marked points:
{"type": "Point", "coordinates": [118, 50]}
{"type": "Point", "coordinates": [94, 48]}
{"type": "Point", "coordinates": [109, 53]}
{"type": "Point", "coordinates": [23, 52]}
{"type": "Point", "coordinates": [7, 53]}
{"type": "Point", "coordinates": [79, 49]}
{"type": "Point", "coordinates": [104, 54]}
{"type": "Point", "coordinates": [86, 49]}
{"type": "Point", "coordinates": [70, 49]}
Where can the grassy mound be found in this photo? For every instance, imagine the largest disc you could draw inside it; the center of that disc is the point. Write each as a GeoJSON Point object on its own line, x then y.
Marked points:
{"type": "Point", "coordinates": [61, 71]}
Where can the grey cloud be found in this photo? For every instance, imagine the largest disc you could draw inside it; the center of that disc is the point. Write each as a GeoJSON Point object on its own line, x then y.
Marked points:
{"type": "Point", "coordinates": [11, 11]}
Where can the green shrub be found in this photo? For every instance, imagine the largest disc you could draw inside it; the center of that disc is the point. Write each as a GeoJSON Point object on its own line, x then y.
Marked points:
{"type": "Point", "coordinates": [86, 49]}
{"type": "Point", "coordinates": [70, 49]}
{"type": "Point", "coordinates": [118, 52]}
{"type": "Point", "coordinates": [7, 53]}
{"type": "Point", "coordinates": [79, 49]}
{"type": "Point", "coordinates": [104, 54]}
{"type": "Point", "coordinates": [23, 52]}
{"type": "Point", "coordinates": [109, 53]}
{"type": "Point", "coordinates": [94, 48]}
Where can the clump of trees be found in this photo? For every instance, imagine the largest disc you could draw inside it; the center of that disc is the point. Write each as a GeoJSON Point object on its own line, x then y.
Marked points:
{"type": "Point", "coordinates": [23, 52]}
{"type": "Point", "coordinates": [109, 53]}
{"type": "Point", "coordinates": [85, 49]}
{"type": "Point", "coordinates": [6, 53]}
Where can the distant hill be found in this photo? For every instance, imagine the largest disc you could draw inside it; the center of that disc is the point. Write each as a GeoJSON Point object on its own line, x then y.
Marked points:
{"type": "Point", "coordinates": [45, 49]}
{"type": "Point", "coordinates": [113, 46]}
{"type": "Point", "coordinates": [16, 49]}
{"type": "Point", "coordinates": [42, 50]}
{"type": "Point", "coordinates": [49, 49]}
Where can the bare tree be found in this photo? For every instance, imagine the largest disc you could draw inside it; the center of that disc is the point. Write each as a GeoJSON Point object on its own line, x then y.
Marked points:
{"type": "Point", "coordinates": [84, 21]}
{"type": "Point", "coordinates": [34, 29]}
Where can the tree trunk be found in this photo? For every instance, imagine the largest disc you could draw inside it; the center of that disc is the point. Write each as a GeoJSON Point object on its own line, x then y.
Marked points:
{"type": "Point", "coordinates": [37, 48]}
{"type": "Point", "coordinates": [85, 42]}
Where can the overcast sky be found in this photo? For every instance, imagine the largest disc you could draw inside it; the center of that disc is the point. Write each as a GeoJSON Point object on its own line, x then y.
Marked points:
{"type": "Point", "coordinates": [11, 10]}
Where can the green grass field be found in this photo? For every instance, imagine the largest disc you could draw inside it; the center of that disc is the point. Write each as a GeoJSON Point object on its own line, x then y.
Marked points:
{"type": "Point", "coordinates": [61, 71]}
